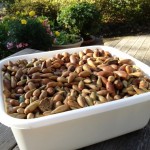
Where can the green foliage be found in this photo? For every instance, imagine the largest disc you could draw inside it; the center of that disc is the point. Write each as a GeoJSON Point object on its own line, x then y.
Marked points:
{"type": "Point", "coordinates": [3, 37]}
{"type": "Point", "coordinates": [111, 17]}
{"type": "Point", "coordinates": [118, 16]}
{"type": "Point", "coordinates": [83, 18]}
{"type": "Point", "coordinates": [7, 1]}
{"type": "Point", "coordinates": [64, 38]}
{"type": "Point", "coordinates": [4, 52]}
{"type": "Point", "coordinates": [31, 32]}
{"type": "Point", "coordinates": [114, 11]}
{"type": "Point", "coordinates": [117, 11]}
{"type": "Point", "coordinates": [122, 17]}
{"type": "Point", "coordinates": [21, 31]}
{"type": "Point", "coordinates": [47, 9]}
{"type": "Point", "coordinates": [3, 34]}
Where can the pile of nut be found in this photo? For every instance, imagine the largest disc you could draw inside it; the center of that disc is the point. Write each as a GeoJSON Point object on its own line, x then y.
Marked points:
{"type": "Point", "coordinates": [47, 86]}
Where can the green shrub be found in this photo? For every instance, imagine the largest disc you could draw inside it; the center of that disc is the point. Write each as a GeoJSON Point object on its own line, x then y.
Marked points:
{"type": "Point", "coordinates": [3, 34]}
{"type": "Point", "coordinates": [123, 11]}
{"type": "Point", "coordinates": [3, 38]}
{"type": "Point", "coordinates": [83, 18]}
{"type": "Point", "coordinates": [64, 38]}
{"type": "Point", "coordinates": [25, 31]}
{"type": "Point", "coordinates": [47, 9]}
{"type": "Point", "coordinates": [121, 17]}
{"type": "Point", "coordinates": [118, 16]}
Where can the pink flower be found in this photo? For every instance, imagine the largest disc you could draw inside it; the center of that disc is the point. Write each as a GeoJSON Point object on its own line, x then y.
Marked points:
{"type": "Point", "coordinates": [19, 45]}
{"type": "Point", "coordinates": [22, 45]}
{"type": "Point", "coordinates": [51, 33]}
{"type": "Point", "coordinates": [26, 44]}
{"type": "Point", "coordinates": [10, 45]}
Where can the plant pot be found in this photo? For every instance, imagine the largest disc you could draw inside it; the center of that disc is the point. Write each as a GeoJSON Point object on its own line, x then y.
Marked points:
{"type": "Point", "coordinates": [93, 41]}
{"type": "Point", "coordinates": [89, 41]}
{"type": "Point", "coordinates": [78, 44]}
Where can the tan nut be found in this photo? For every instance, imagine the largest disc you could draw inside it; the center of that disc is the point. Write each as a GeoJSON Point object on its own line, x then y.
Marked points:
{"type": "Point", "coordinates": [60, 109]}
{"type": "Point", "coordinates": [84, 74]}
{"type": "Point", "coordinates": [33, 70]}
{"type": "Point", "coordinates": [72, 103]}
{"type": "Point", "coordinates": [14, 102]}
{"type": "Point", "coordinates": [129, 69]}
{"type": "Point", "coordinates": [30, 116]}
{"type": "Point", "coordinates": [31, 107]}
{"type": "Point", "coordinates": [81, 101]}
{"type": "Point", "coordinates": [99, 82]}
{"type": "Point", "coordinates": [126, 61]}
{"type": "Point", "coordinates": [71, 77]}
{"type": "Point", "coordinates": [111, 79]}
{"type": "Point", "coordinates": [20, 110]}
{"type": "Point", "coordinates": [73, 59]}
{"type": "Point", "coordinates": [136, 74]}
{"type": "Point", "coordinates": [86, 68]}
{"type": "Point", "coordinates": [29, 94]}
{"type": "Point", "coordinates": [102, 99]}
{"type": "Point", "coordinates": [43, 94]}
{"type": "Point", "coordinates": [13, 82]}
{"type": "Point", "coordinates": [102, 92]}
{"type": "Point", "coordinates": [62, 79]}
{"type": "Point", "coordinates": [58, 97]}
{"type": "Point", "coordinates": [31, 85]}
{"type": "Point", "coordinates": [89, 101]}
{"type": "Point", "coordinates": [122, 74]}
{"type": "Point", "coordinates": [91, 64]}
{"type": "Point", "coordinates": [81, 85]}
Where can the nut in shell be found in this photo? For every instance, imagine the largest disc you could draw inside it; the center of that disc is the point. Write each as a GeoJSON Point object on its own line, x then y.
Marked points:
{"type": "Point", "coordinates": [60, 109]}
{"type": "Point", "coordinates": [72, 103]}
{"type": "Point", "coordinates": [81, 101]}
{"type": "Point", "coordinates": [84, 74]}
{"type": "Point", "coordinates": [89, 101]}
{"type": "Point", "coordinates": [41, 87]}
{"type": "Point", "coordinates": [91, 64]}
{"type": "Point", "coordinates": [58, 97]}
{"type": "Point", "coordinates": [71, 77]}
{"type": "Point", "coordinates": [31, 107]}
{"type": "Point", "coordinates": [86, 68]}
{"type": "Point", "coordinates": [45, 105]}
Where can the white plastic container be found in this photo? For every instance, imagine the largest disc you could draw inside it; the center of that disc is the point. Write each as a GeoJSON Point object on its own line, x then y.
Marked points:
{"type": "Point", "coordinates": [79, 128]}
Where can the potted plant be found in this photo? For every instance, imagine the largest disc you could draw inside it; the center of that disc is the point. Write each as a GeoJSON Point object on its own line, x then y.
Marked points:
{"type": "Point", "coordinates": [81, 18]}
{"type": "Point", "coordinates": [62, 39]}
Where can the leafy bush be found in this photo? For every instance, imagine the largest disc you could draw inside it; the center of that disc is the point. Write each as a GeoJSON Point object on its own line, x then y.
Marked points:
{"type": "Point", "coordinates": [64, 38]}
{"type": "Point", "coordinates": [117, 11]}
{"type": "Point", "coordinates": [118, 16]}
{"type": "Point", "coordinates": [27, 31]}
{"type": "Point", "coordinates": [47, 9]}
{"type": "Point", "coordinates": [83, 18]}
{"type": "Point", "coordinates": [3, 38]}
{"type": "Point", "coordinates": [135, 18]}
{"type": "Point", "coordinates": [3, 34]}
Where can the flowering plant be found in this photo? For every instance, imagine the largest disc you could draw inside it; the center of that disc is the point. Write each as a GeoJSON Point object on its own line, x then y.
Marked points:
{"type": "Point", "coordinates": [64, 38]}
{"type": "Point", "coordinates": [28, 30]}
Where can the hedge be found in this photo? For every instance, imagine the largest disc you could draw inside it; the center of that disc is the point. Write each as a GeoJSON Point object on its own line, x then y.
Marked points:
{"type": "Point", "coordinates": [123, 15]}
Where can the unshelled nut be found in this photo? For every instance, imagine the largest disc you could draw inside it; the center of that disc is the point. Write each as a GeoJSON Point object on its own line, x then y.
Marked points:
{"type": "Point", "coordinates": [64, 82]}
